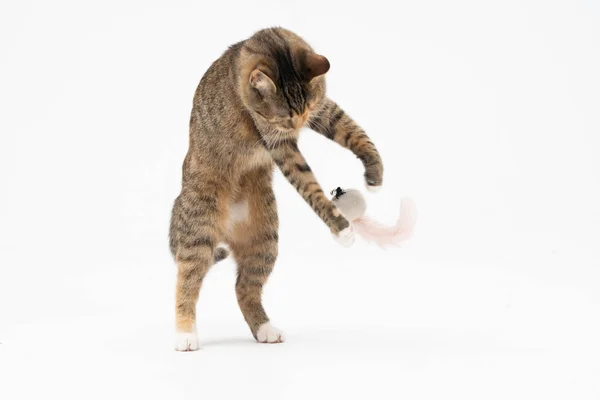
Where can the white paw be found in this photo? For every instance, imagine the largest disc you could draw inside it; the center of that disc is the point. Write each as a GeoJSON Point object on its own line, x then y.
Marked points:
{"type": "Point", "coordinates": [186, 341]}
{"type": "Point", "coordinates": [269, 334]}
{"type": "Point", "coordinates": [345, 237]}
{"type": "Point", "coordinates": [373, 189]}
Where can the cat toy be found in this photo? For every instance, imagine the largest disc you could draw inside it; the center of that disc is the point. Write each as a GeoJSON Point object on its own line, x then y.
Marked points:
{"type": "Point", "coordinates": [353, 206]}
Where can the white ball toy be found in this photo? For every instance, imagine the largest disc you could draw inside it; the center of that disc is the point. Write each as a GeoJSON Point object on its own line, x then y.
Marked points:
{"type": "Point", "coordinates": [352, 205]}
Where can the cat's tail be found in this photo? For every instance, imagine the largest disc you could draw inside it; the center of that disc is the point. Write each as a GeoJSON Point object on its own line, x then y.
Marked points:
{"type": "Point", "coordinates": [221, 253]}
{"type": "Point", "coordinates": [383, 235]}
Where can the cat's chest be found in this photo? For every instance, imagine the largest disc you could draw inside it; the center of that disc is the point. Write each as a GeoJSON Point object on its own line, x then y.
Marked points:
{"type": "Point", "coordinates": [255, 158]}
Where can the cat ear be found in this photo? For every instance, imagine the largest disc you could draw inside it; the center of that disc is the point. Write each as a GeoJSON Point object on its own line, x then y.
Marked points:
{"type": "Point", "coordinates": [261, 82]}
{"type": "Point", "coordinates": [315, 65]}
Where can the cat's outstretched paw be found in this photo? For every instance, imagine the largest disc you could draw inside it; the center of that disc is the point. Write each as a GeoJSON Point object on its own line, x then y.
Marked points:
{"type": "Point", "coordinates": [372, 188]}
{"type": "Point", "coordinates": [269, 334]}
{"type": "Point", "coordinates": [186, 341]}
{"type": "Point", "coordinates": [345, 237]}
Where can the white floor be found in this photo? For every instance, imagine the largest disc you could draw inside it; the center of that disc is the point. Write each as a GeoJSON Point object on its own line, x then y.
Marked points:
{"type": "Point", "coordinates": [360, 323]}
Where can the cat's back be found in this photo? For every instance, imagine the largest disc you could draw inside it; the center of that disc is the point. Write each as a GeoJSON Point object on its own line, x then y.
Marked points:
{"type": "Point", "coordinates": [219, 78]}
{"type": "Point", "coordinates": [222, 132]}
{"type": "Point", "coordinates": [217, 110]}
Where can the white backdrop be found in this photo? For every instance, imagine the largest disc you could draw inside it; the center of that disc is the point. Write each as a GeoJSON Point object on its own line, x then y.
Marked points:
{"type": "Point", "coordinates": [486, 113]}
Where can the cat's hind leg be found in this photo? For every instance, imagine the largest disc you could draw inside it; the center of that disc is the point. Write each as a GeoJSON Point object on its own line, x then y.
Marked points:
{"type": "Point", "coordinates": [253, 240]}
{"type": "Point", "coordinates": [197, 227]}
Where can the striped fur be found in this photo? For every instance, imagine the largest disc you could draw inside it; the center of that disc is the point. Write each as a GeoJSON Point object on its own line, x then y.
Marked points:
{"type": "Point", "coordinates": [246, 117]}
{"type": "Point", "coordinates": [333, 123]}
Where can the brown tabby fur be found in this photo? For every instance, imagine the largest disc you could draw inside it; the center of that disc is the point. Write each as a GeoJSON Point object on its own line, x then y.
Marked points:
{"type": "Point", "coordinates": [246, 118]}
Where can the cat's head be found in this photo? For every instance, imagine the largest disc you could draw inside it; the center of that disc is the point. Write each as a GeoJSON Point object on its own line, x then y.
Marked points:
{"type": "Point", "coordinates": [285, 81]}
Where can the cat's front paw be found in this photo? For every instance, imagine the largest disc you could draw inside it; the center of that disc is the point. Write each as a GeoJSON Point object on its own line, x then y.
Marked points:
{"type": "Point", "coordinates": [374, 176]}
{"type": "Point", "coordinates": [345, 237]}
{"type": "Point", "coordinates": [372, 188]}
{"type": "Point", "coordinates": [186, 341]}
{"type": "Point", "coordinates": [269, 334]}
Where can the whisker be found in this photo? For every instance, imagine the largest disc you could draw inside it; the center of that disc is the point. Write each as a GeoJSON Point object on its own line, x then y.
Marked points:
{"type": "Point", "coordinates": [319, 125]}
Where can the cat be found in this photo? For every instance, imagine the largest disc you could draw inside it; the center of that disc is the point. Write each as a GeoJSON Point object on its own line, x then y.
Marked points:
{"type": "Point", "coordinates": [246, 117]}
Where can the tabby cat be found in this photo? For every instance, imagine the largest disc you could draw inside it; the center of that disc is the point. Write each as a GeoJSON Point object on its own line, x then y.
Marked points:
{"type": "Point", "coordinates": [247, 114]}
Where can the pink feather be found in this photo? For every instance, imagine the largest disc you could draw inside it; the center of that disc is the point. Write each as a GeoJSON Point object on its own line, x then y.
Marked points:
{"type": "Point", "coordinates": [383, 235]}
